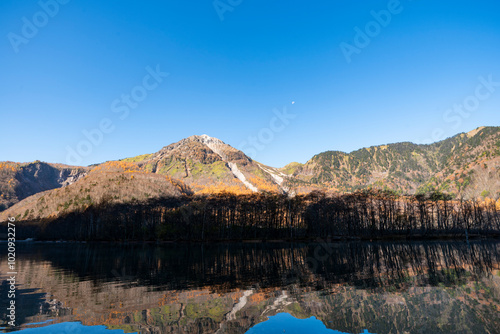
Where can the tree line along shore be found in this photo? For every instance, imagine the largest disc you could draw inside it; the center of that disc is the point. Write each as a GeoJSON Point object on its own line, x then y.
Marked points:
{"type": "Point", "coordinates": [367, 214]}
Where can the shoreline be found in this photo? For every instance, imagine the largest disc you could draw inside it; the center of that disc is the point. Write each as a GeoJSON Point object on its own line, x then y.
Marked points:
{"type": "Point", "coordinates": [333, 240]}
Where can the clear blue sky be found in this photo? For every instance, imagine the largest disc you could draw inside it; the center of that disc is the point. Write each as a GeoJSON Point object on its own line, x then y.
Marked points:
{"type": "Point", "coordinates": [227, 76]}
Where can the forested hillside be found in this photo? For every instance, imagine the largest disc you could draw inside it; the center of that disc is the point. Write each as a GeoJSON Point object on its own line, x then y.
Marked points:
{"type": "Point", "coordinates": [466, 165]}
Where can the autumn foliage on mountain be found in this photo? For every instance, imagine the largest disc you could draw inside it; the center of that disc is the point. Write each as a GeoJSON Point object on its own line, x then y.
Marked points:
{"type": "Point", "coordinates": [111, 182]}
{"type": "Point", "coordinates": [461, 169]}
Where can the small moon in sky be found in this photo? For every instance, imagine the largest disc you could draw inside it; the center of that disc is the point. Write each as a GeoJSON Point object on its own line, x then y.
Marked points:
{"type": "Point", "coordinates": [293, 102]}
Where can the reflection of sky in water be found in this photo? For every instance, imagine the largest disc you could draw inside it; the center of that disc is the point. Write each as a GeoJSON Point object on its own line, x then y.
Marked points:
{"type": "Point", "coordinates": [285, 323]}
{"type": "Point", "coordinates": [383, 287]}
{"type": "Point", "coordinates": [280, 323]}
{"type": "Point", "coordinates": [69, 328]}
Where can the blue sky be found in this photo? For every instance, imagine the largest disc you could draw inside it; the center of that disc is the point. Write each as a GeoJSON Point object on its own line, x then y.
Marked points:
{"type": "Point", "coordinates": [229, 77]}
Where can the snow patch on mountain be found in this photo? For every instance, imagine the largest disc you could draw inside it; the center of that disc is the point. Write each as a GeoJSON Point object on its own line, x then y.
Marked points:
{"type": "Point", "coordinates": [242, 302]}
{"type": "Point", "coordinates": [279, 303]}
{"type": "Point", "coordinates": [238, 306]}
{"type": "Point", "coordinates": [278, 177]}
{"type": "Point", "coordinates": [217, 146]}
{"type": "Point", "coordinates": [241, 177]}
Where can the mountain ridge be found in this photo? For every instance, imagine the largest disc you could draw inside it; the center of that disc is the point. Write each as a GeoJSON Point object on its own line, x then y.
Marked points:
{"type": "Point", "coordinates": [404, 167]}
{"type": "Point", "coordinates": [466, 165]}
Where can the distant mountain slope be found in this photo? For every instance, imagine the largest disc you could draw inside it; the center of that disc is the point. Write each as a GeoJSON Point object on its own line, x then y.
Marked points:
{"type": "Point", "coordinates": [21, 180]}
{"type": "Point", "coordinates": [209, 165]}
{"type": "Point", "coordinates": [111, 182]}
{"type": "Point", "coordinates": [465, 165]}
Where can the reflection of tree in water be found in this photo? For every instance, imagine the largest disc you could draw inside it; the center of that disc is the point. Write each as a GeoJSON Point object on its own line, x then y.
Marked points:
{"type": "Point", "coordinates": [227, 266]}
{"type": "Point", "coordinates": [392, 265]}
{"type": "Point", "coordinates": [386, 287]}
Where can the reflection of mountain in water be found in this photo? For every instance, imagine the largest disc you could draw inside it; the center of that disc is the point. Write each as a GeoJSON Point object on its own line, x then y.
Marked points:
{"type": "Point", "coordinates": [385, 287]}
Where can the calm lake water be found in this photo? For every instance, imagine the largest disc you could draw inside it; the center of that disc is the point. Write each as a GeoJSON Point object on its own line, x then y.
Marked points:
{"type": "Point", "coordinates": [433, 287]}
